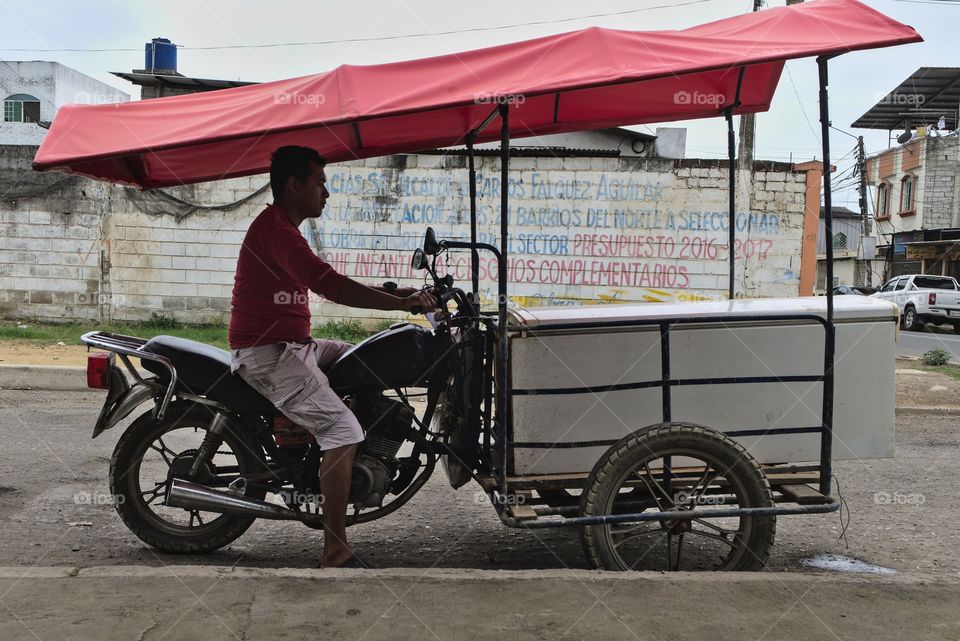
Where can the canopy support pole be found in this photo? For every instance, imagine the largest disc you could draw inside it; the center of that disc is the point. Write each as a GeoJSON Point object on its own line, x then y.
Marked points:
{"type": "Point", "coordinates": [732, 181]}
{"type": "Point", "coordinates": [732, 189]}
{"type": "Point", "coordinates": [503, 402]}
{"type": "Point", "coordinates": [826, 434]}
{"type": "Point", "coordinates": [474, 254]}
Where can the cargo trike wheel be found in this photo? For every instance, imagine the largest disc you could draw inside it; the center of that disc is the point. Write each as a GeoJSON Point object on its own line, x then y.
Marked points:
{"type": "Point", "coordinates": [682, 468]}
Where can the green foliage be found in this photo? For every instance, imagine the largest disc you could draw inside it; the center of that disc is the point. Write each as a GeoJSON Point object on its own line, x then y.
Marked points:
{"type": "Point", "coordinates": [162, 321]}
{"type": "Point", "coordinates": [159, 323]}
{"type": "Point", "coordinates": [936, 357]}
{"type": "Point", "coordinates": [351, 331]}
{"type": "Point", "coordinates": [382, 325]}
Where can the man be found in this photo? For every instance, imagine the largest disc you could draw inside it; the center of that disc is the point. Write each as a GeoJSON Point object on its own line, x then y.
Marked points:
{"type": "Point", "coordinates": [269, 331]}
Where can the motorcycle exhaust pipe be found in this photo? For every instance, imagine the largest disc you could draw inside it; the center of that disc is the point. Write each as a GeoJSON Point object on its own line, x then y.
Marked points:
{"type": "Point", "coordinates": [193, 496]}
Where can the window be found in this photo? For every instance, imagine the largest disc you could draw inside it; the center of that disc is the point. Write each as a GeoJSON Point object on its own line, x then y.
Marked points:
{"type": "Point", "coordinates": [840, 240]}
{"type": "Point", "coordinates": [901, 284]}
{"type": "Point", "coordinates": [21, 107]}
{"type": "Point", "coordinates": [906, 194]}
{"type": "Point", "coordinates": [934, 282]}
{"type": "Point", "coordinates": [883, 200]}
{"type": "Point", "coordinates": [888, 287]}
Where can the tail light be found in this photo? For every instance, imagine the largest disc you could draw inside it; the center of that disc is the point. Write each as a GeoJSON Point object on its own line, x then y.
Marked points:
{"type": "Point", "coordinates": [932, 299]}
{"type": "Point", "coordinates": [98, 370]}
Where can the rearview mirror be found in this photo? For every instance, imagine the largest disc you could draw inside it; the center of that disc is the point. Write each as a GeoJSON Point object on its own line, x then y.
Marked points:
{"type": "Point", "coordinates": [430, 244]}
{"type": "Point", "coordinates": [419, 259]}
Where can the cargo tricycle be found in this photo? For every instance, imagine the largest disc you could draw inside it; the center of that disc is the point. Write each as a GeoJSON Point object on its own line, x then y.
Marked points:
{"type": "Point", "coordinates": [672, 435]}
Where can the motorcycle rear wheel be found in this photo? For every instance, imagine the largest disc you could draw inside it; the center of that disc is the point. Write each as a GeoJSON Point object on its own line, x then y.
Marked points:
{"type": "Point", "coordinates": [133, 501]}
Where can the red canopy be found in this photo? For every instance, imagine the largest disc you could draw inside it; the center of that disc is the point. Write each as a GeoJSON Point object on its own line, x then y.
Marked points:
{"type": "Point", "coordinates": [586, 79]}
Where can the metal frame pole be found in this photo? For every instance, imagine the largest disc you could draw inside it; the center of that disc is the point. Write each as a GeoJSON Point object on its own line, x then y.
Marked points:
{"type": "Point", "coordinates": [732, 188]}
{"type": "Point", "coordinates": [504, 399]}
{"type": "Point", "coordinates": [732, 184]}
{"type": "Point", "coordinates": [474, 254]}
{"type": "Point", "coordinates": [826, 435]}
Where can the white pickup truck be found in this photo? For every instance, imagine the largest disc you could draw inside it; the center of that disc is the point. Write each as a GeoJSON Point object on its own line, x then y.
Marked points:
{"type": "Point", "coordinates": [924, 298]}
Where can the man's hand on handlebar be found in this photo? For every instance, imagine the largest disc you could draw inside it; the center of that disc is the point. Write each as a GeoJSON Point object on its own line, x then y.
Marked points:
{"type": "Point", "coordinates": [419, 302]}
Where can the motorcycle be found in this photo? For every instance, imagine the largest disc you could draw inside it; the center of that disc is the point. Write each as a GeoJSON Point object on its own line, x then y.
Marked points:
{"type": "Point", "coordinates": [211, 456]}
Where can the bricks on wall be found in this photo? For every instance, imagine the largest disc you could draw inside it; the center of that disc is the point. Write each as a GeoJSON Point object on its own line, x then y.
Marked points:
{"type": "Point", "coordinates": [583, 230]}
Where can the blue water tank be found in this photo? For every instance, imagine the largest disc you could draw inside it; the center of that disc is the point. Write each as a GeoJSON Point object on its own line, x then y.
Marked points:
{"type": "Point", "coordinates": [160, 55]}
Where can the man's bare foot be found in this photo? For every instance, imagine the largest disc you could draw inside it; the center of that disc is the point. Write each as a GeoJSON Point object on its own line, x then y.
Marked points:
{"type": "Point", "coordinates": [336, 558]}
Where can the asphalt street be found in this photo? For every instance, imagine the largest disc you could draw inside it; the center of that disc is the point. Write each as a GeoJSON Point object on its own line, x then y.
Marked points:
{"type": "Point", "coordinates": [55, 508]}
{"type": "Point", "coordinates": [915, 343]}
{"type": "Point", "coordinates": [450, 570]}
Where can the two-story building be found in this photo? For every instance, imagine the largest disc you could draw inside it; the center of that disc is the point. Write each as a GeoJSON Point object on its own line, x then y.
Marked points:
{"type": "Point", "coordinates": [913, 186]}
{"type": "Point", "coordinates": [33, 91]}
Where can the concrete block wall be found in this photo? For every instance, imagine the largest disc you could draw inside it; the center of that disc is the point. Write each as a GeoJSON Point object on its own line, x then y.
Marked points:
{"type": "Point", "coordinates": [583, 230]}
{"type": "Point", "coordinates": [50, 227]}
{"type": "Point", "coordinates": [937, 198]}
{"type": "Point", "coordinates": [179, 267]}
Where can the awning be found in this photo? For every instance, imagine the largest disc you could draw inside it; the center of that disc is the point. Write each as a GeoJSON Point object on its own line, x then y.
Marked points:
{"type": "Point", "coordinates": [588, 79]}
{"type": "Point", "coordinates": [921, 99]}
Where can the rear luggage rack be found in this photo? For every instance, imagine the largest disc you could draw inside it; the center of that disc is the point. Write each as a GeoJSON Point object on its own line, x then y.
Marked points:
{"type": "Point", "coordinates": [127, 346]}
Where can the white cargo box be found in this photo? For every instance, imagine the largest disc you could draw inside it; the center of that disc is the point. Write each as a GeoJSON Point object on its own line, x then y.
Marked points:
{"type": "Point", "coordinates": [576, 391]}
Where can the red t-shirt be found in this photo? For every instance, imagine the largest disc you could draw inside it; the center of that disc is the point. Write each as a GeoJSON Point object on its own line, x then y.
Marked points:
{"type": "Point", "coordinates": [275, 268]}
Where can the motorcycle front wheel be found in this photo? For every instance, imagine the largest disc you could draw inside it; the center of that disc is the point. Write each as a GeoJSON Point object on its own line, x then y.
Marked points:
{"type": "Point", "coordinates": [151, 453]}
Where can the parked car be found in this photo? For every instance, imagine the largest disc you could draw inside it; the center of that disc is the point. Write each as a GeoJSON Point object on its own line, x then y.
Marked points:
{"type": "Point", "coordinates": [924, 298]}
{"type": "Point", "coordinates": [853, 290]}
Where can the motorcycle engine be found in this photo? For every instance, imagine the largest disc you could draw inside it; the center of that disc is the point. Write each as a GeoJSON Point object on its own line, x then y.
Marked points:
{"type": "Point", "coordinates": [386, 423]}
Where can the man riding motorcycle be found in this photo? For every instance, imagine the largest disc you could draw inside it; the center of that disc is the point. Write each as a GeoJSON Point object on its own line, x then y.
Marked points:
{"type": "Point", "coordinates": [269, 333]}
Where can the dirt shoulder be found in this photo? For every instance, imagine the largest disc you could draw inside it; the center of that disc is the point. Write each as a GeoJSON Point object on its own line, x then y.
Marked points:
{"type": "Point", "coordinates": [29, 353]}
{"type": "Point", "coordinates": [916, 386]}
{"type": "Point", "coordinates": [921, 387]}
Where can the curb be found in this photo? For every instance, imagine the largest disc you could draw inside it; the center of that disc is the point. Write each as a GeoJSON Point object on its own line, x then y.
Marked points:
{"type": "Point", "coordinates": [942, 411]}
{"type": "Point", "coordinates": [460, 574]}
{"type": "Point", "coordinates": [43, 377]}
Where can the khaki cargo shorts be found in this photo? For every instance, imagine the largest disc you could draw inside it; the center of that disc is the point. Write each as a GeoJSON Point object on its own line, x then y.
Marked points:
{"type": "Point", "coordinates": [291, 376]}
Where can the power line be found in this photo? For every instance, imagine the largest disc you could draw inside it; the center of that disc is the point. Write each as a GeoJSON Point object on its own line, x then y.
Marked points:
{"type": "Point", "coordinates": [378, 38]}
{"type": "Point", "coordinates": [800, 103]}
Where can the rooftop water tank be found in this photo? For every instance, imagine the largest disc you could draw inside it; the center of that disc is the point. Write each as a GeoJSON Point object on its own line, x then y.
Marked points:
{"type": "Point", "coordinates": [160, 55]}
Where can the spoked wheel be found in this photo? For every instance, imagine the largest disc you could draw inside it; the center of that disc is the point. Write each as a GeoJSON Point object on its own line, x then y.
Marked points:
{"type": "Point", "coordinates": [150, 454]}
{"type": "Point", "coordinates": [676, 467]}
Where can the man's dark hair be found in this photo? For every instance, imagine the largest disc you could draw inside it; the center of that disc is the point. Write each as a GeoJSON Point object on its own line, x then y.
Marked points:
{"type": "Point", "coordinates": [291, 161]}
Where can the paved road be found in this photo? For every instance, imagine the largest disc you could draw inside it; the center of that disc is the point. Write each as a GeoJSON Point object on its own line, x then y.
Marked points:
{"type": "Point", "coordinates": [917, 342]}
{"type": "Point", "coordinates": [70, 569]}
{"type": "Point", "coordinates": [52, 477]}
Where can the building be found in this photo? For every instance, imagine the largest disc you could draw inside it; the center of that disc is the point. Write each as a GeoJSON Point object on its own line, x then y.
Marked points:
{"type": "Point", "coordinates": [34, 90]}
{"type": "Point", "coordinates": [913, 186]}
{"type": "Point", "coordinates": [853, 252]}
{"type": "Point", "coordinates": [669, 142]}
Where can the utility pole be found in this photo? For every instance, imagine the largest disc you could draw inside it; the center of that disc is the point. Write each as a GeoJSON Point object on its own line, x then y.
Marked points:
{"type": "Point", "coordinates": [747, 128]}
{"type": "Point", "coordinates": [861, 169]}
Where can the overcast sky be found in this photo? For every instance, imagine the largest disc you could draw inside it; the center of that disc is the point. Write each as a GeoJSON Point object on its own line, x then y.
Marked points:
{"type": "Point", "coordinates": [788, 131]}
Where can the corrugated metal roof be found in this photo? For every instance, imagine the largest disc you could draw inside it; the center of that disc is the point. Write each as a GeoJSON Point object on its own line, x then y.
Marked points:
{"type": "Point", "coordinates": [922, 98]}
{"type": "Point", "coordinates": [168, 80]}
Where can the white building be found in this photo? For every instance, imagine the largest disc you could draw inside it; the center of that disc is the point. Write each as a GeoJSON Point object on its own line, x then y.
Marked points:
{"type": "Point", "coordinates": [34, 90]}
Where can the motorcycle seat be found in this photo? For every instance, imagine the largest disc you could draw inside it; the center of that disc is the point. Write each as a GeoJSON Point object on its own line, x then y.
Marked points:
{"type": "Point", "coordinates": [204, 370]}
